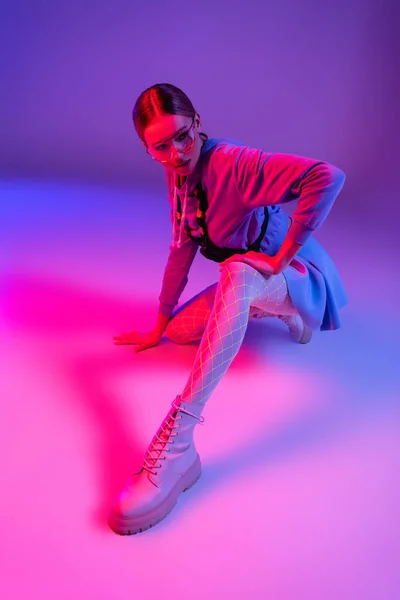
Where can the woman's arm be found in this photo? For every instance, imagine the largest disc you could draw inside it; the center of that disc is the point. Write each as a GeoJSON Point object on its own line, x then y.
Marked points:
{"type": "Point", "coordinates": [286, 253]}
{"type": "Point", "coordinates": [175, 274]}
{"type": "Point", "coordinates": [162, 322]}
{"type": "Point", "coordinates": [264, 179]}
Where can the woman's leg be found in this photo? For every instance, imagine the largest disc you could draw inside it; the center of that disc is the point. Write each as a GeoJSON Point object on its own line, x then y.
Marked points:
{"type": "Point", "coordinates": [190, 320]}
{"type": "Point", "coordinates": [239, 287]}
{"type": "Point", "coordinates": [171, 463]}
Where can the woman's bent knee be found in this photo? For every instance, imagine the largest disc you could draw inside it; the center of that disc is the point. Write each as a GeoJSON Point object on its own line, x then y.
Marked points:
{"type": "Point", "coordinates": [238, 272]}
{"type": "Point", "coordinates": [180, 337]}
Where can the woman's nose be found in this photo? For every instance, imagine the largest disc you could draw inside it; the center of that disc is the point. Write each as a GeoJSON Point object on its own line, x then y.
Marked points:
{"type": "Point", "coordinates": [176, 155]}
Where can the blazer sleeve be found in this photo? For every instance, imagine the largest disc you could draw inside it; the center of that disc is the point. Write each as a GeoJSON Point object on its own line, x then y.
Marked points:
{"type": "Point", "coordinates": [265, 179]}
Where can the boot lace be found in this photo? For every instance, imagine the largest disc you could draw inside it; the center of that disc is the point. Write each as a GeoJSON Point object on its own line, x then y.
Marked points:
{"type": "Point", "coordinates": [287, 319]}
{"type": "Point", "coordinates": [295, 324]}
{"type": "Point", "coordinates": [163, 437]}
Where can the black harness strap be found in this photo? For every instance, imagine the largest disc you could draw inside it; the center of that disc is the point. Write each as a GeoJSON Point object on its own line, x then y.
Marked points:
{"type": "Point", "coordinates": [208, 248]}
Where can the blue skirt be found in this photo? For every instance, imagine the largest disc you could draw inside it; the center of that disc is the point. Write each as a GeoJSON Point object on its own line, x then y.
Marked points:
{"type": "Point", "coordinates": [315, 287]}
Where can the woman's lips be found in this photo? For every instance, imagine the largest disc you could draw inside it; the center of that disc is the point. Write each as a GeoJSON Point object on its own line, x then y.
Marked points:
{"type": "Point", "coordinates": [185, 164]}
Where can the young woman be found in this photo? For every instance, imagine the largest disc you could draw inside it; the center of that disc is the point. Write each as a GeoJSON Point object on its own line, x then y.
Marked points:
{"type": "Point", "coordinates": [225, 199]}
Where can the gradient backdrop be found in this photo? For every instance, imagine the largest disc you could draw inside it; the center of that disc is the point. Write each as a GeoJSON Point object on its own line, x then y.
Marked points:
{"type": "Point", "coordinates": [299, 497]}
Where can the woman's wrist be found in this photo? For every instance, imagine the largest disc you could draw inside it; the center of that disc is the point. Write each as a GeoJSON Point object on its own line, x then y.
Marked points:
{"type": "Point", "coordinates": [286, 253]}
{"type": "Point", "coordinates": [161, 325]}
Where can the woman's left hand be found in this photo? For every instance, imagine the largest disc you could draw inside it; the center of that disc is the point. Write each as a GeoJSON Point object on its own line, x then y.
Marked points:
{"type": "Point", "coordinates": [268, 265]}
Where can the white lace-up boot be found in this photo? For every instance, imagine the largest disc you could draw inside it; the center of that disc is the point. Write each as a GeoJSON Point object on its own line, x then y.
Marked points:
{"type": "Point", "coordinates": [299, 331]}
{"type": "Point", "coordinates": [171, 466]}
{"type": "Point", "coordinates": [259, 313]}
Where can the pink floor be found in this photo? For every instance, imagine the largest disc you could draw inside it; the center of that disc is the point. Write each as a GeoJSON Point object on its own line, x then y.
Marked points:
{"type": "Point", "coordinates": [300, 492]}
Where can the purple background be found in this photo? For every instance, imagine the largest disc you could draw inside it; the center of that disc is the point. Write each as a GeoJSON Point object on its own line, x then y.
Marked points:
{"type": "Point", "coordinates": [318, 79]}
{"type": "Point", "coordinates": [299, 498]}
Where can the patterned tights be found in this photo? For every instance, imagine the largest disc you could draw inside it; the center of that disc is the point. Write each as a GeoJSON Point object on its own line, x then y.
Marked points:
{"type": "Point", "coordinates": [218, 316]}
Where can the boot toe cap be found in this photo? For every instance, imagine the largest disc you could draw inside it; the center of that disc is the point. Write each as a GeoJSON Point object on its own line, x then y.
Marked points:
{"type": "Point", "coordinates": [136, 499]}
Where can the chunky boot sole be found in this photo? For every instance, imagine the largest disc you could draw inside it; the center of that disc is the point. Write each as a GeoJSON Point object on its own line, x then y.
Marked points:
{"type": "Point", "coordinates": [132, 525]}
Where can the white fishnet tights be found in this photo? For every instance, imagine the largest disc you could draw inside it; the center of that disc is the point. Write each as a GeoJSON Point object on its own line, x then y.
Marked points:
{"type": "Point", "coordinates": [219, 316]}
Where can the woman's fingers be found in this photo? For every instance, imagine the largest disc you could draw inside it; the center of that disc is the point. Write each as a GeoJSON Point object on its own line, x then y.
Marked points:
{"type": "Point", "coordinates": [141, 340]}
{"type": "Point", "coordinates": [124, 335]}
{"type": "Point", "coordinates": [120, 337]}
{"type": "Point", "coordinates": [127, 338]}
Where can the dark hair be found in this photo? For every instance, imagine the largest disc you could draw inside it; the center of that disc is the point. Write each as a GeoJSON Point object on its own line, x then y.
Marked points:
{"type": "Point", "coordinates": [160, 99]}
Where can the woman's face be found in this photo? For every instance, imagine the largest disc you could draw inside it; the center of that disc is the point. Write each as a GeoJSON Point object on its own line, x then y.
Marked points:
{"type": "Point", "coordinates": [174, 140]}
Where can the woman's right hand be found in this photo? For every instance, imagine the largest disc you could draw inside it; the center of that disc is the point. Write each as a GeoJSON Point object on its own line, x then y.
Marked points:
{"type": "Point", "coordinates": [142, 341]}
